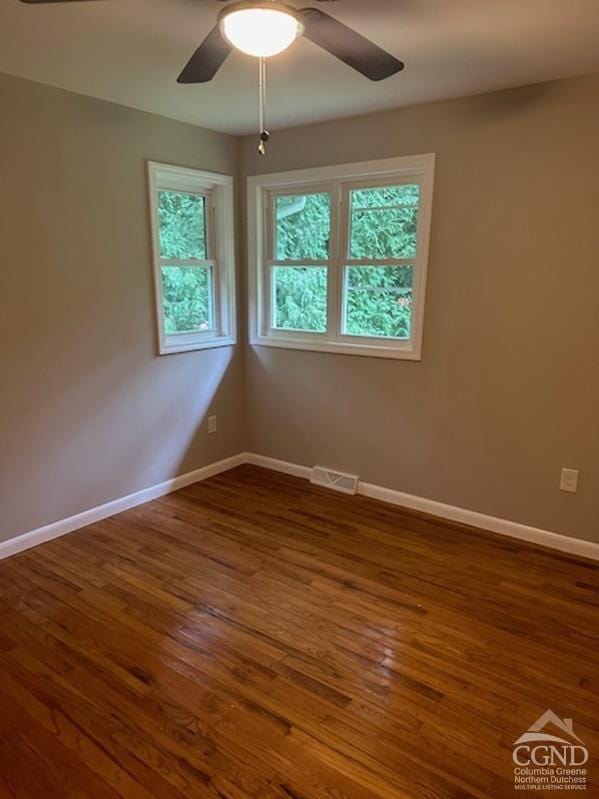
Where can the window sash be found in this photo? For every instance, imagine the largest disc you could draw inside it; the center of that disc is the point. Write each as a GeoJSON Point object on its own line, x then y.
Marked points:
{"type": "Point", "coordinates": [271, 218]}
{"type": "Point", "coordinates": [206, 195]}
{"type": "Point", "coordinates": [374, 290]}
{"type": "Point", "coordinates": [271, 247]}
{"type": "Point", "coordinates": [198, 263]}
{"type": "Point", "coordinates": [347, 188]}
{"type": "Point", "coordinates": [272, 299]}
{"type": "Point", "coordinates": [213, 309]}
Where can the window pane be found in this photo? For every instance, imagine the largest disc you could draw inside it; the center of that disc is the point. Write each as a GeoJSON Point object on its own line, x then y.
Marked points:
{"type": "Point", "coordinates": [384, 222]}
{"type": "Point", "coordinates": [182, 219]}
{"type": "Point", "coordinates": [378, 301]}
{"type": "Point", "coordinates": [303, 227]}
{"type": "Point", "coordinates": [299, 298]}
{"type": "Point", "coordinates": [187, 299]}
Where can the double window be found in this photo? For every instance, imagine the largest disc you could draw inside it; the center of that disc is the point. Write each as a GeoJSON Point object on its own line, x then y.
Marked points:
{"type": "Point", "coordinates": [339, 256]}
{"type": "Point", "coordinates": [193, 243]}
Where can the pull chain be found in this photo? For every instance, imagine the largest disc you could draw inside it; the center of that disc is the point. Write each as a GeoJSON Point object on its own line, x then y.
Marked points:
{"type": "Point", "coordinates": [264, 134]}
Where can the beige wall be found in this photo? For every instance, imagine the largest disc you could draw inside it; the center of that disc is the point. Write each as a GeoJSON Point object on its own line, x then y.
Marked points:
{"type": "Point", "coordinates": [508, 390]}
{"type": "Point", "coordinates": [88, 412]}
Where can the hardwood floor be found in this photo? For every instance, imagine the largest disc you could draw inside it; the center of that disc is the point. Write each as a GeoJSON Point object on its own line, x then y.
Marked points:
{"type": "Point", "coordinates": [254, 636]}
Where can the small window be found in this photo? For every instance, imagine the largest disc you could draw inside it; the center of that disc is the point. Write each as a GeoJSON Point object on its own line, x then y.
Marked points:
{"type": "Point", "coordinates": [192, 225]}
{"type": "Point", "coordinates": [339, 263]}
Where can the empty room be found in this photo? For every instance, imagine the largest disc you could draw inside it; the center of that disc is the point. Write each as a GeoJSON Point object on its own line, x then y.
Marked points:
{"type": "Point", "coordinates": [299, 399]}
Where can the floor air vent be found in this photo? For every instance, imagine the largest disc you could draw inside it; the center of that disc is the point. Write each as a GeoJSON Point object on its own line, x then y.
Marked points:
{"type": "Point", "coordinates": [347, 483]}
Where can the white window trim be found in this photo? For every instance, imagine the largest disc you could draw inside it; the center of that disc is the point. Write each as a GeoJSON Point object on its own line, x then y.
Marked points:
{"type": "Point", "coordinates": [221, 227]}
{"type": "Point", "coordinates": [420, 168]}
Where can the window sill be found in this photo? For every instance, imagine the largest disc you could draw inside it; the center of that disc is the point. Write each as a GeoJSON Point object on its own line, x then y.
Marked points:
{"type": "Point", "coordinates": [407, 352]}
{"type": "Point", "coordinates": [170, 347]}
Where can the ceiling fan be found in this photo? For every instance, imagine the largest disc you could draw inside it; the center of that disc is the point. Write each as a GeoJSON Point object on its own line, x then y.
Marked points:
{"type": "Point", "coordinates": [263, 28]}
{"type": "Point", "coordinates": [266, 28]}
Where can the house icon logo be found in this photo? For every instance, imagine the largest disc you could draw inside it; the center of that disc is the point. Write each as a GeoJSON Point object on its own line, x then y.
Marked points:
{"type": "Point", "coordinates": [538, 731]}
{"type": "Point", "coordinates": [550, 755]}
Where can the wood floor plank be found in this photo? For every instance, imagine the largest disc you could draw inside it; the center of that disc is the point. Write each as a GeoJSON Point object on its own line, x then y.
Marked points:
{"type": "Point", "coordinates": [256, 637]}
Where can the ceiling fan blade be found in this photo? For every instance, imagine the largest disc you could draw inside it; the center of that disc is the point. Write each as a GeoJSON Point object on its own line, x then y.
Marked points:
{"type": "Point", "coordinates": [349, 46]}
{"type": "Point", "coordinates": [207, 59]}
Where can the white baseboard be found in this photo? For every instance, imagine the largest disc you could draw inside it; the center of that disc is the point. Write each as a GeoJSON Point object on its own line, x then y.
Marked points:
{"type": "Point", "coordinates": [532, 535]}
{"type": "Point", "coordinates": [64, 526]}
{"type": "Point", "coordinates": [278, 466]}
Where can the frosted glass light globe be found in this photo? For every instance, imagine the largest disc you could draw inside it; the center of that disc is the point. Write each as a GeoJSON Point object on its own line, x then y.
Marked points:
{"type": "Point", "coordinates": [261, 32]}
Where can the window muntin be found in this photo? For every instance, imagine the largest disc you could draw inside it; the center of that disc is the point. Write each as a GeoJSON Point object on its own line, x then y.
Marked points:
{"type": "Point", "coordinates": [367, 232]}
{"type": "Point", "coordinates": [194, 266]}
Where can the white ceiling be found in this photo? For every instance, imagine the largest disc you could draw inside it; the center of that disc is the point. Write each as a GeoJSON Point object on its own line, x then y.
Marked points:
{"type": "Point", "coordinates": [131, 51]}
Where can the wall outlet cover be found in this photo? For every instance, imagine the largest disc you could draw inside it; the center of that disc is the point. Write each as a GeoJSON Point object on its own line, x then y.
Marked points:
{"type": "Point", "coordinates": [569, 480]}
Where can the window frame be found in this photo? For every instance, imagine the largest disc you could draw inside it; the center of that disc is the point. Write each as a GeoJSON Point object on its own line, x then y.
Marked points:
{"type": "Point", "coordinates": [339, 181]}
{"type": "Point", "coordinates": [217, 190]}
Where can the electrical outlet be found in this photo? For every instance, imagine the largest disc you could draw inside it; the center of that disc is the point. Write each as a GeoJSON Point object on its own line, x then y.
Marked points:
{"type": "Point", "coordinates": [569, 481]}
{"type": "Point", "coordinates": [212, 424]}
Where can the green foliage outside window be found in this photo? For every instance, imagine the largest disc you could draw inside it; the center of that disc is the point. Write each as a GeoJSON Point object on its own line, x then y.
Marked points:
{"type": "Point", "coordinates": [182, 225]}
{"type": "Point", "coordinates": [303, 227]}
{"type": "Point", "coordinates": [378, 301]}
{"type": "Point", "coordinates": [186, 298]}
{"type": "Point", "coordinates": [384, 222]}
{"type": "Point", "coordinates": [300, 298]}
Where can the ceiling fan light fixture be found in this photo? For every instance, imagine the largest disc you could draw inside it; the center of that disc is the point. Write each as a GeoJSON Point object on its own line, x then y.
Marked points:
{"type": "Point", "coordinates": [260, 29]}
